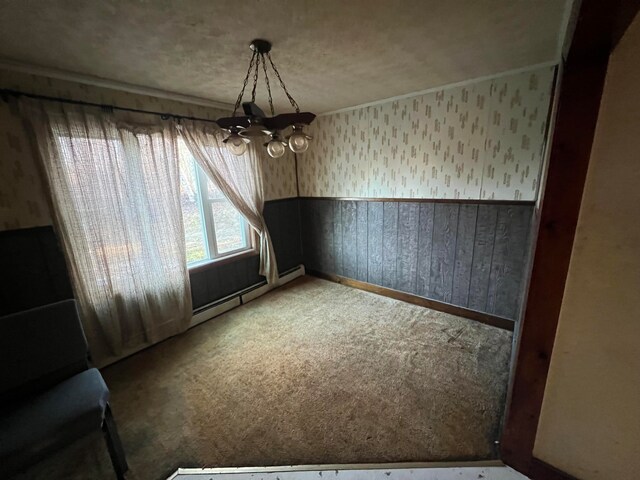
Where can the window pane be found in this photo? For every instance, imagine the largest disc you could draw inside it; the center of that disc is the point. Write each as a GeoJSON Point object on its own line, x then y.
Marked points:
{"type": "Point", "coordinates": [213, 191]}
{"type": "Point", "coordinates": [192, 215]}
{"type": "Point", "coordinates": [229, 227]}
{"type": "Point", "coordinates": [212, 215]}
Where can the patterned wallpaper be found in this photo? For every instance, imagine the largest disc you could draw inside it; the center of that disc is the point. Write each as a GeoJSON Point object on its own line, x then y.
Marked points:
{"type": "Point", "coordinates": [23, 202]}
{"type": "Point", "coordinates": [279, 176]}
{"type": "Point", "coordinates": [479, 141]}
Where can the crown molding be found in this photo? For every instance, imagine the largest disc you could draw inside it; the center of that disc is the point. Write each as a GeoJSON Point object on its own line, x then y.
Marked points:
{"type": "Point", "coordinates": [463, 83]}
{"type": "Point", "coordinates": [11, 65]}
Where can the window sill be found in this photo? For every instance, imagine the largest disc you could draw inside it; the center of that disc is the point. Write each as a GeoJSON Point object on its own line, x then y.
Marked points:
{"type": "Point", "coordinates": [206, 265]}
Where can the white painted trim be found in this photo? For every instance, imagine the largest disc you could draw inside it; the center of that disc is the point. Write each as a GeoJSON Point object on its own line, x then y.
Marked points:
{"type": "Point", "coordinates": [258, 292]}
{"type": "Point", "coordinates": [12, 65]}
{"type": "Point", "coordinates": [442, 473]}
{"type": "Point", "coordinates": [552, 63]}
{"type": "Point", "coordinates": [337, 466]}
{"type": "Point", "coordinates": [214, 311]}
{"type": "Point", "coordinates": [238, 300]}
{"type": "Point", "coordinates": [382, 471]}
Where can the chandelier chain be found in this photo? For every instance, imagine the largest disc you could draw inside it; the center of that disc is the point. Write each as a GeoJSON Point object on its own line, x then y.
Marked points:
{"type": "Point", "coordinates": [244, 85]}
{"type": "Point", "coordinates": [266, 80]}
{"type": "Point", "coordinates": [294, 104]}
{"type": "Point", "coordinates": [255, 79]}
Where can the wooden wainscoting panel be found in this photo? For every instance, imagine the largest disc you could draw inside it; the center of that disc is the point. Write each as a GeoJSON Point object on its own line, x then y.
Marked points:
{"type": "Point", "coordinates": [445, 231]}
{"type": "Point", "coordinates": [407, 260]}
{"type": "Point", "coordinates": [425, 247]}
{"type": "Point", "coordinates": [337, 237]}
{"type": "Point", "coordinates": [481, 317]}
{"type": "Point", "coordinates": [447, 252]}
{"type": "Point", "coordinates": [467, 218]}
{"type": "Point", "coordinates": [507, 264]}
{"type": "Point", "coordinates": [389, 244]}
{"type": "Point", "coordinates": [362, 241]}
{"type": "Point", "coordinates": [482, 256]}
{"type": "Point", "coordinates": [216, 280]}
{"type": "Point", "coordinates": [349, 239]}
{"type": "Point", "coordinates": [375, 234]}
{"type": "Point", "coordinates": [33, 271]}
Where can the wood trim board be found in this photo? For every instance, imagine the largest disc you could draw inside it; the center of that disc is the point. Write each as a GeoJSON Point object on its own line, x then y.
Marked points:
{"type": "Point", "coordinates": [481, 317]}
{"type": "Point", "coordinates": [460, 201]}
{"type": "Point", "coordinates": [280, 200]}
{"type": "Point", "coordinates": [578, 107]}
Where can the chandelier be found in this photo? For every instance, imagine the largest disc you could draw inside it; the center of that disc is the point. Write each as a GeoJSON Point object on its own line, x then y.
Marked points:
{"type": "Point", "coordinates": [254, 124]}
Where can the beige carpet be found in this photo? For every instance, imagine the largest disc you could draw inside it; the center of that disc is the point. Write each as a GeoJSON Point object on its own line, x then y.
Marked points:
{"type": "Point", "coordinates": [311, 373]}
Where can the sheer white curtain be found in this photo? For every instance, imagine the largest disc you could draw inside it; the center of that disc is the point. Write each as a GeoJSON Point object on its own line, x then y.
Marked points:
{"type": "Point", "coordinates": [239, 178]}
{"type": "Point", "coordinates": [115, 191]}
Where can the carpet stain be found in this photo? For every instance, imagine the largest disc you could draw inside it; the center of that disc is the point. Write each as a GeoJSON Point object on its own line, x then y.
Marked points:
{"type": "Point", "coordinates": [311, 373]}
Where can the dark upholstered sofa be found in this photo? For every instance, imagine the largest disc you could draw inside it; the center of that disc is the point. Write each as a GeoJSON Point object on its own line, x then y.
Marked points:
{"type": "Point", "coordinates": [49, 396]}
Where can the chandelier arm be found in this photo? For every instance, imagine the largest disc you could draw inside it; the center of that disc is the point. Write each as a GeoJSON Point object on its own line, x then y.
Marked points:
{"type": "Point", "coordinates": [244, 85]}
{"type": "Point", "coordinates": [294, 104]}
{"type": "Point", "coordinates": [255, 79]}
{"type": "Point", "coordinates": [266, 80]}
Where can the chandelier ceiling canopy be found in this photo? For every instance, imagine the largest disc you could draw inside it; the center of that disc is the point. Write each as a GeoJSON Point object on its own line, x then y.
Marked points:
{"type": "Point", "coordinates": [255, 124]}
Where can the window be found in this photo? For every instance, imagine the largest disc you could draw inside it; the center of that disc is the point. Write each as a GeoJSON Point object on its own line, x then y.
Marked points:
{"type": "Point", "coordinates": [213, 228]}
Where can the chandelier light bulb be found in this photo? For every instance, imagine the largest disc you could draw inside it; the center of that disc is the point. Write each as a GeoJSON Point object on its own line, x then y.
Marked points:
{"type": "Point", "coordinates": [275, 148]}
{"type": "Point", "coordinates": [298, 140]}
{"type": "Point", "coordinates": [236, 144]}
{"type": "Point", "coordinates": [255, 125]}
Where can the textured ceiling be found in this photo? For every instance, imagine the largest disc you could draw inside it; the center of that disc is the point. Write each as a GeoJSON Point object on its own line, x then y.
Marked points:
{"type": "Point", "coordinates": [331, 53]}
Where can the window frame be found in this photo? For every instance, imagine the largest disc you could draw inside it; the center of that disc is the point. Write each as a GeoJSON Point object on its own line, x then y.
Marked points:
{"type": "Point", "coordinates": [205, 205]}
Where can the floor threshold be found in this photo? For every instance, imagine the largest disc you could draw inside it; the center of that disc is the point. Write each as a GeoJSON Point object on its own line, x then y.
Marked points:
{"type": "Point", "coordinates": [493, 470]}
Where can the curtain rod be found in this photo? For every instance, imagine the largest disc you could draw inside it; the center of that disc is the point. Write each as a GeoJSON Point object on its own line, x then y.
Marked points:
{"type": "Point", "coordinates": [4, 92]}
